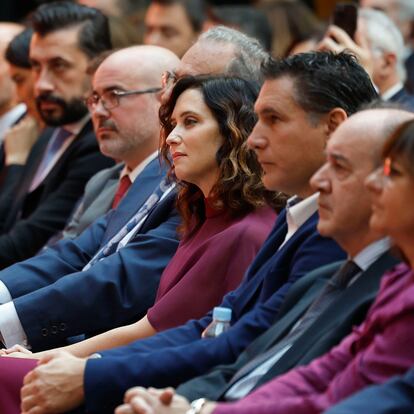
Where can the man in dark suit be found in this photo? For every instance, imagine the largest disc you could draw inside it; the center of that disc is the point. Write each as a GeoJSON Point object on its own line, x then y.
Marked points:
{"type": "Point", "coordinates": [67, 307]}
{"type": "Point", "coordinates": [287, 121]}
{"type": "Point", "coordinates": [38, 197]}
{"type": "Point", "coordinates": [344, 212]}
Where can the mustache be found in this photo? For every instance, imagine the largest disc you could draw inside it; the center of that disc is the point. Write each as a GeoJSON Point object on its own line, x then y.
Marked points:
{"type": "Point", "coordinates": [48, 97]}
{"type": "Point", "coordinates": [107, 123]}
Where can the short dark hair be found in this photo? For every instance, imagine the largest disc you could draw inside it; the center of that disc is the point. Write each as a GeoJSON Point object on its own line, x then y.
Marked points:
{"type": "Point", "coordinates": [196, 11]}
{"type": "Point", "coordinates": [17, 52]}
{"type": "Point", "coordinates": [239, 188]}
{"type": "Point", "coordinates": [94, 35]}
{"type": "Point", "coordinates": [324, 81]}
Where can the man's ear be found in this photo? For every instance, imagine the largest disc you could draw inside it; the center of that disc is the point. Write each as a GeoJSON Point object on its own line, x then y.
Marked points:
{"type": "Point", "coordinates": [335, 117]}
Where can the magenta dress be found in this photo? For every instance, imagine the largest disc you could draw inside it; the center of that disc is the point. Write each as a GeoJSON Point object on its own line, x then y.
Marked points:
{"type": "Point", "coordinates": [12, 372]}
{"type": "Point", "coordinates": [207, 265]}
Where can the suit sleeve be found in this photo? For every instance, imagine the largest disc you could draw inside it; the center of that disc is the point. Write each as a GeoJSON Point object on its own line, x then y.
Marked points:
{"type": "Point", "coordinates": [113, 292]}
{"type": "Point", "coordinates": [169, 362]}
{"type": "Point", "coordinates": [336, 375]}
{"type": "Point", "coordinates": [30, 234]}
{"type": "Point", "coordinates": [11, 176]}
{"type": "Point", "coordinates": [66, 257]}
{"type": "Point", "coordinates": [395, 396]}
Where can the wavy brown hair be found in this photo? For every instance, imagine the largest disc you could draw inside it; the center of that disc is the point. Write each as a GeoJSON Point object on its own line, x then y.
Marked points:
{"type": "Point", "coordinates": [239, 189]}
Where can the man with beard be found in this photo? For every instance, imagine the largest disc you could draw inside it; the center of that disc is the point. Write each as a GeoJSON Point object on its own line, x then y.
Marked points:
{"type": "Point", "coordinates": [37, 198]}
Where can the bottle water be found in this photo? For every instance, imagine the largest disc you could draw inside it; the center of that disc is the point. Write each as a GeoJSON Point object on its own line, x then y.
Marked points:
{"type": "Point", "coordinates": [219, 324]}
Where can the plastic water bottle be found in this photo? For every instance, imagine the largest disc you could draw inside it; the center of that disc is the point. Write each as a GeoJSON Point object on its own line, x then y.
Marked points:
{"type": "Point", "coordinates": [219, 324]}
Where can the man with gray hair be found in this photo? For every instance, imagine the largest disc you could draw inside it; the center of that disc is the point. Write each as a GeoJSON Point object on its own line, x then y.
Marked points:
{"type": "Point", "coordinates": [401, 12]}
{"type": "Point", "coordinates": [379, 46]}
{"type": "Point", "coordinates": [220, 50]}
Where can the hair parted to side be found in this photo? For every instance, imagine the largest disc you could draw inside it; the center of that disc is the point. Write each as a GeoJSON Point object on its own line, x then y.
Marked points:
{"type": "Point", "coordinates": [239, 189]}
{"type": "Point", "coordinates": [324, 81]}
{"type": "Point", "coordinates": [94, 35]}
{"type": "Point", "coordinates": [400, 146]}
{"type": "Point", "coordinates": [17, 52]}
{"type": "Point", "coordinates": [249, 53]}
{"type": "Point", "coordinates": [196, 11]}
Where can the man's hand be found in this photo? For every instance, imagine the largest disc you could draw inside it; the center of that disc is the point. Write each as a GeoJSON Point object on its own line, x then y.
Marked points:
{"type": "Point", "coordinates": [337, 40]}
{"type": "Point", "coordinates": [19, 139]}
{"type": "Point", "coordinates": [55, 385]}
{"type": "Point", "coordinates": [139, 400]}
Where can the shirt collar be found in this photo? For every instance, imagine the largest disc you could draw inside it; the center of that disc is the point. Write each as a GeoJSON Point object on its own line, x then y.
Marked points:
{"type": "Point", "coordinates": [369, 254]}
{"type": "Point", "coordinates": [10, 117]}
{"type": "Point", "coordinates": [298, 211]}
{"type": "Point", "coordinates": [390, 92]}
{"type": "Point", "coordinates": [133, 174]}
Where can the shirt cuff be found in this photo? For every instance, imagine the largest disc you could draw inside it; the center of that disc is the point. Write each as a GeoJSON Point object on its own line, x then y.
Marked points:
{"type": "Point", "coordinates": [4, 294]}
{"type": "Point", "coordinates": [11, 330]}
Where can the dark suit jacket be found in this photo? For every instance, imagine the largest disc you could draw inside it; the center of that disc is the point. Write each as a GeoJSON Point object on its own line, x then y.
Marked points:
{"type": "Point", "coordinates": [404, 98]}
{"type": "Point", "coordinates": [28, 220]}
{"type": "Point", "coordinates": [55, 299]}
{"type": "Point", "coordinates": [176, 355]}
{"type": "Point", "coordinates": [393, 397]}
{"type": "Point", "coordinates": [327, 330]}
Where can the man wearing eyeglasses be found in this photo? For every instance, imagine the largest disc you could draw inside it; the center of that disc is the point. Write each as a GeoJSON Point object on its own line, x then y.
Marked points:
{"type": "Point", "coordinates": [110, 273]}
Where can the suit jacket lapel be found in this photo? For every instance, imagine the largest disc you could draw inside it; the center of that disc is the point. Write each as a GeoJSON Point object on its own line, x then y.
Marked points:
{"type": "Point", "coordinates": [35, 157]}
{"type": "Point", "coordinates": [365, 288]}
{"type": "Point", "coordinates": [143, 186]}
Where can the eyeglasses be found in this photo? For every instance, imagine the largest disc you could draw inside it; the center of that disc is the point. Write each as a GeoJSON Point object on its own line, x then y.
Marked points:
{"type": "Point", "coordinates": [110, 99]}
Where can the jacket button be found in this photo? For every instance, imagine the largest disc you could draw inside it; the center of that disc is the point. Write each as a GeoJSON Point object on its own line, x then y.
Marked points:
{"type": "Point", "coordinates": [62, 326]}
{"type": "Point", "coordinates": [44, 332]}
{"type": "Point", "coordinates": [54, 329]}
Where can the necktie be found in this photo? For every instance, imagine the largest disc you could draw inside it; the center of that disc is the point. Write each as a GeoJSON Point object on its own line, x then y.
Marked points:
{"type": "Point", "coordinates": [55, 144]}
{"type": "Point", "coordinates": [337, 283]}
{"type": "Point", "coordinates": [110, 247]}
{"type": "Point", "coordinates": [123, 187]}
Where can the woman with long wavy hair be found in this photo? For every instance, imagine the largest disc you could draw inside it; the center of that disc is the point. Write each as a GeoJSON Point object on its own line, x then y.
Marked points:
{"type": "Point", "coordinates": [226, 211]}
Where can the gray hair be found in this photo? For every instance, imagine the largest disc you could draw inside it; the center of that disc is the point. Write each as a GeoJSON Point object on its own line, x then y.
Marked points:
{"type": "Point", "coordinates": [405, 9]}
{"type": "Point", "coordinates": [384, 35]}
{"type": "Point", "coordinates": [249, 52]}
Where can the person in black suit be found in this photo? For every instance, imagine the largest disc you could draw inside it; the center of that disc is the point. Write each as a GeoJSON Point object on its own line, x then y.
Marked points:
{"type": "Point", "coordinates": [38, 197]}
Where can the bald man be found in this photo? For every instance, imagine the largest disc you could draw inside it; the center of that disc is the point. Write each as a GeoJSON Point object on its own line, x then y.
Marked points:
{"type": "Point", "coordinates": [74, 289]}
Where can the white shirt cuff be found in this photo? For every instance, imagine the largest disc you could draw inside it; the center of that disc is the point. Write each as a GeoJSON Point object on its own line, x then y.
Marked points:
{"type": "Point", "coordinates": [4, 294]}
{"type": "Point", "coordinates": [11, 330]}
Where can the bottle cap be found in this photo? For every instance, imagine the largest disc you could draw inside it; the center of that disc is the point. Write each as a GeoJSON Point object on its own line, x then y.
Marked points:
{"type": "Point", "coordinates": [222, 314]}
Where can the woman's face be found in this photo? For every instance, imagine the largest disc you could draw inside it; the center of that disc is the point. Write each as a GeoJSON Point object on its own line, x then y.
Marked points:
{"type": "Point", "coordinates": [24, 82]}
{"type": "Point", "coordinates": [194, 141]}
{"type": "Point", "coordinates": [392, 190]}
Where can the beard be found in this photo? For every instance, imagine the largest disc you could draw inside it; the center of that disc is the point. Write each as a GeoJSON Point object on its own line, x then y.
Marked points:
{"type": "Point", "coordinates": [71, 111]}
